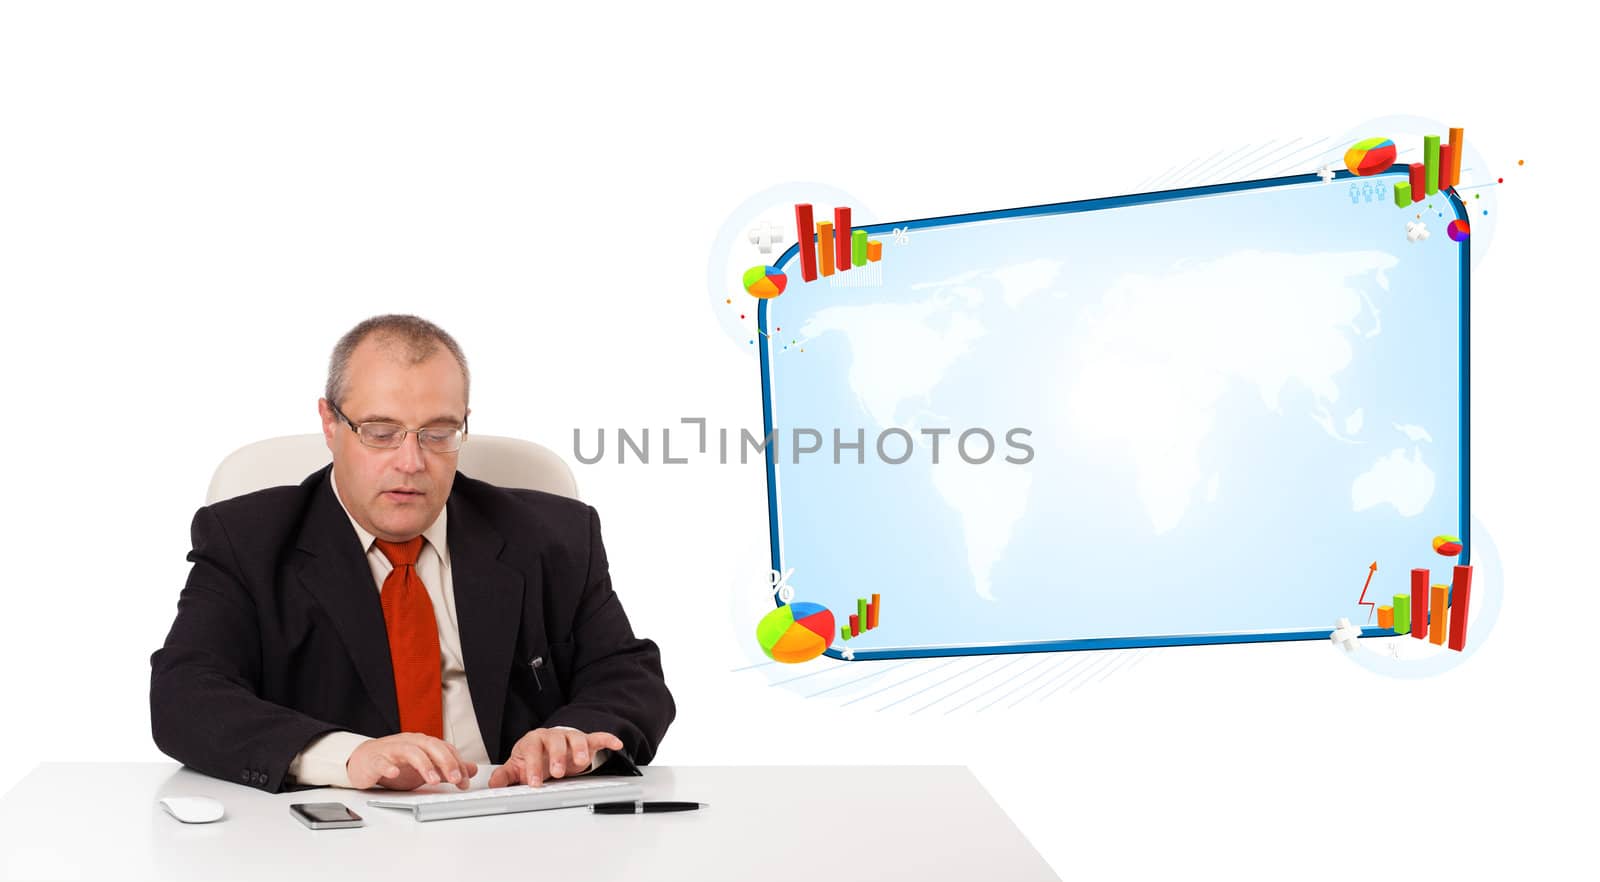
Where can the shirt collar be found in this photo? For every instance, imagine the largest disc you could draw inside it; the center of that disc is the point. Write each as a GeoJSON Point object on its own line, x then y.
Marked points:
{"type": "Point", "coordinates": [435, 534]}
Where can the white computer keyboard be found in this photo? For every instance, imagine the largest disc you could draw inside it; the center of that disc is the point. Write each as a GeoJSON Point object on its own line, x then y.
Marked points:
{"type": "Point", "coordinates": [517, 798]}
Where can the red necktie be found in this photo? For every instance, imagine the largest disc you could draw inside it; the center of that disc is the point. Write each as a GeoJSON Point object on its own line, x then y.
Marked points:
{"type": "Point", "coordinates": [413, 640]}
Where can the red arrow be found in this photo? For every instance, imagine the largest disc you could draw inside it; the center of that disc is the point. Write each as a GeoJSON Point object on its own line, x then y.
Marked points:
{"type": "Point", "coordinates": [1364, 601]}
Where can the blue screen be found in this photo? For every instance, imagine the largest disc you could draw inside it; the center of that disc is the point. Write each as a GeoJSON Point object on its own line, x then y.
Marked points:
{"type": "Point", "coordinates": [1194, 416]}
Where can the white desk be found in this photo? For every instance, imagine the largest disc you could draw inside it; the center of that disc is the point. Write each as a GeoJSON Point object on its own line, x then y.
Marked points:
{"type": "Point", "coordinates": [764, 824]}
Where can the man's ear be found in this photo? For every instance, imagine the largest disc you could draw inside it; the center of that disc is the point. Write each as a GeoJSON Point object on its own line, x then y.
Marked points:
{"type": "Point", "coordinates": [329, 422]}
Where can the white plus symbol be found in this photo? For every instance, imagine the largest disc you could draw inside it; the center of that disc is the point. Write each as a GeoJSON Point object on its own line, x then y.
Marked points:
{"type": "Point", "coordinates": [764, 235]}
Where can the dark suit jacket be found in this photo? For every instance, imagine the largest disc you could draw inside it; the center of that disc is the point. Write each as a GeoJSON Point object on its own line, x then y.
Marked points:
{"type": "Point", "coordinates": [280, 637]}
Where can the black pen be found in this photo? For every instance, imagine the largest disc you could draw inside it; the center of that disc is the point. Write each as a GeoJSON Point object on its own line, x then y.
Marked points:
{"type": "Point", "coordinates": [643, 808]}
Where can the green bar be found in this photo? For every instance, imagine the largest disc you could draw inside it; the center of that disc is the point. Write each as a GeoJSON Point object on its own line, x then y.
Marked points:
{"type": "Point", "coordinates": [858, 257]}
{"type": "Point", "coordinates": [1402, 194]}
{"type": "Point", "coordinates": [1402, 614]}
{"type": "Point", "coordinates": [1430, 161]}
{"type": "Point", "coordinates": [861, 613]}
{"type": "Point", "coordinates": [844, 632]}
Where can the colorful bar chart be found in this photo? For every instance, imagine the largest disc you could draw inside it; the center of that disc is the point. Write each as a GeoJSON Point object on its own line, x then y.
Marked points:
{"type": "Point", "coordinates": [1436, 612]}
{"type": "Point", "coordinates": [1440, 169]}
{"type": "Point", "coordinates": [841, 238]}
{"type": "Point", "coordinates": [1460, 598]}
{"type": "Point", "coordinates": [828, 248]}
{"type": "Point", "coordinates": [808, 254]}
{"type": "Point", "coordinates": [865, 618]}
{"type": "Point", "coordinates": [1419, 603]}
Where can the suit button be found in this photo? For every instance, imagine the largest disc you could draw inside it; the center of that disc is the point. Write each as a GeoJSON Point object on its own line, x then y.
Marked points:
{"type": "Point", "coordinates": [245, 776]}
{"type": "Point", "coordinates": [261, 778]}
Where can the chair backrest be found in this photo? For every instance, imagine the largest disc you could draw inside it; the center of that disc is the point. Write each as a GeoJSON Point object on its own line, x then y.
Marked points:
{"type": "Point", "coordinates": [504, 462]}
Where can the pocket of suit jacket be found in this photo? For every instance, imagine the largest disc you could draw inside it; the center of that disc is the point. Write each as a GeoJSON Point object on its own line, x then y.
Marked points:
{"type": "Point", "coordinates": [545, 678]}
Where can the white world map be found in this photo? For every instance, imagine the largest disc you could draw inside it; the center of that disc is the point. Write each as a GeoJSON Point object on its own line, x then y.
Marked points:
{"type": "Point", "coordinates": [1143, 368]}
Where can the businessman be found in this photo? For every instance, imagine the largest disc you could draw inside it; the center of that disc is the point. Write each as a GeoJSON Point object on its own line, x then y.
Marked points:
{"type": "Point", "coordinates": [390, 622]}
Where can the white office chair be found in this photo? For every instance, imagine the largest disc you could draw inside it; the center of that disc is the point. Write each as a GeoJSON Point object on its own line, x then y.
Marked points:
{"type": "Point", "coordinates": [504, 462]}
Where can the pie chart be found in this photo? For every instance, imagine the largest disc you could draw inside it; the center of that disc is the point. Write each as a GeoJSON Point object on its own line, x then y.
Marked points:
{"type": "Point", "coordinates": [795, 632]}
{"type": "Point", "coordinates": [765, 282]}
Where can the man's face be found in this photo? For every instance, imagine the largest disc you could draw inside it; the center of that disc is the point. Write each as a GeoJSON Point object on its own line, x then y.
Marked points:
{"type": "Point", "coordinates": [395, 494]}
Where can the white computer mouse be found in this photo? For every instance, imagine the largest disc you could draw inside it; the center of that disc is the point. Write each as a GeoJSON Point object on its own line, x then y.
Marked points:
{"type": "Point", "coordinates": [193, 809]}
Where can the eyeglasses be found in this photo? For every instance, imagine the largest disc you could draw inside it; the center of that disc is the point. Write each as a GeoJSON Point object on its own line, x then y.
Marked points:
{"type": "Point", "coordinates": [384, 435]}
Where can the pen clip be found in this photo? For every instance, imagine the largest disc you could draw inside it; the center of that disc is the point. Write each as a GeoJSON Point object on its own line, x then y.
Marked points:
{"type": "Point", "coordinates": [534, 665]}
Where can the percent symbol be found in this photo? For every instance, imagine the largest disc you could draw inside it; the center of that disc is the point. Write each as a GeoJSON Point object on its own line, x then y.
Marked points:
{"type": "Point", "coordinates": [780, 584]}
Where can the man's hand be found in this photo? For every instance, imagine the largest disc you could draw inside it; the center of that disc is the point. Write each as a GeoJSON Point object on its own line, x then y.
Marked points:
{"type": "Point", "coordinates": [551, 753]}
{"type": "Point", "coordinates": [408, 761]}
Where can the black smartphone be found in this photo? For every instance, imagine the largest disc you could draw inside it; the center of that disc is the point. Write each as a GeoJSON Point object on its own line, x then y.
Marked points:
{"type": "Point", "coordinates": [325, 815]}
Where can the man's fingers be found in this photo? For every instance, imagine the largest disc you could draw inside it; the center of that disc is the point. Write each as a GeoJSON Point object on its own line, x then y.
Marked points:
{"type": "Point", "coordinates": [534, 761]}
{"type": "Point", "coordinates": [530, 756]}
{"type": "Point", "coordinates": [555, 744]}
{"type": "Point", "coordinates": [549, 753]}
{"type": "Point", "coordinates": [578, 745]}
{"type": "Point", "coordinates": [443, 755]}
{"type": "Point", "coordinates": [378, 766]}
{"type": "Point", "coordinates": [510, 773]}
{"type": "Point", "coordinates": [418, 759]}
{"type": "Point", "coordinates": [393, 759]}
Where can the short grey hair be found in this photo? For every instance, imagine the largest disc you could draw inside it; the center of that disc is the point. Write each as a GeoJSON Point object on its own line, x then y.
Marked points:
{"type": "Point", "coordinates": [412, 338]}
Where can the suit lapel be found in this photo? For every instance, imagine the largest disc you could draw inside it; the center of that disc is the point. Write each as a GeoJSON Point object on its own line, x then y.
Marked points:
{"type": "Point", "coordinates": [489, 604]}
{"type": "Point", "coordinates": [337, 575]}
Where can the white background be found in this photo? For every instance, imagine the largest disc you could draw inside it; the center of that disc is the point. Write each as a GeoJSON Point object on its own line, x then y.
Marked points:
{"type": "Point", "coordinates": [197, 199]}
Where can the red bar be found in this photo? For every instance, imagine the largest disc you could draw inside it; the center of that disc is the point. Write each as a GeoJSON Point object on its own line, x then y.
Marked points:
{"type": "Point", "coordinates": [855, 625]}
{"type": "Point", "coordinates": [1419, 182]}
{"type": "Point", "coordinates": [1460, 593]}
{"type": "Point", "coordinates": [1419, 594]}
{"type": "Point", "coordinates": [841, 238]}
{"type": "Point", "coordinates": [872, 611]}
{"type": "Point", "coordinates": [1444, 166]}
{"type": "Point", "coordinates": [805, 236]}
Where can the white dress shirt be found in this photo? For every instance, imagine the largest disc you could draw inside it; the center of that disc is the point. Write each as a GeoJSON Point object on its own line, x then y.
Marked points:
{"type": "Point", "coordinates": [322, 762]}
